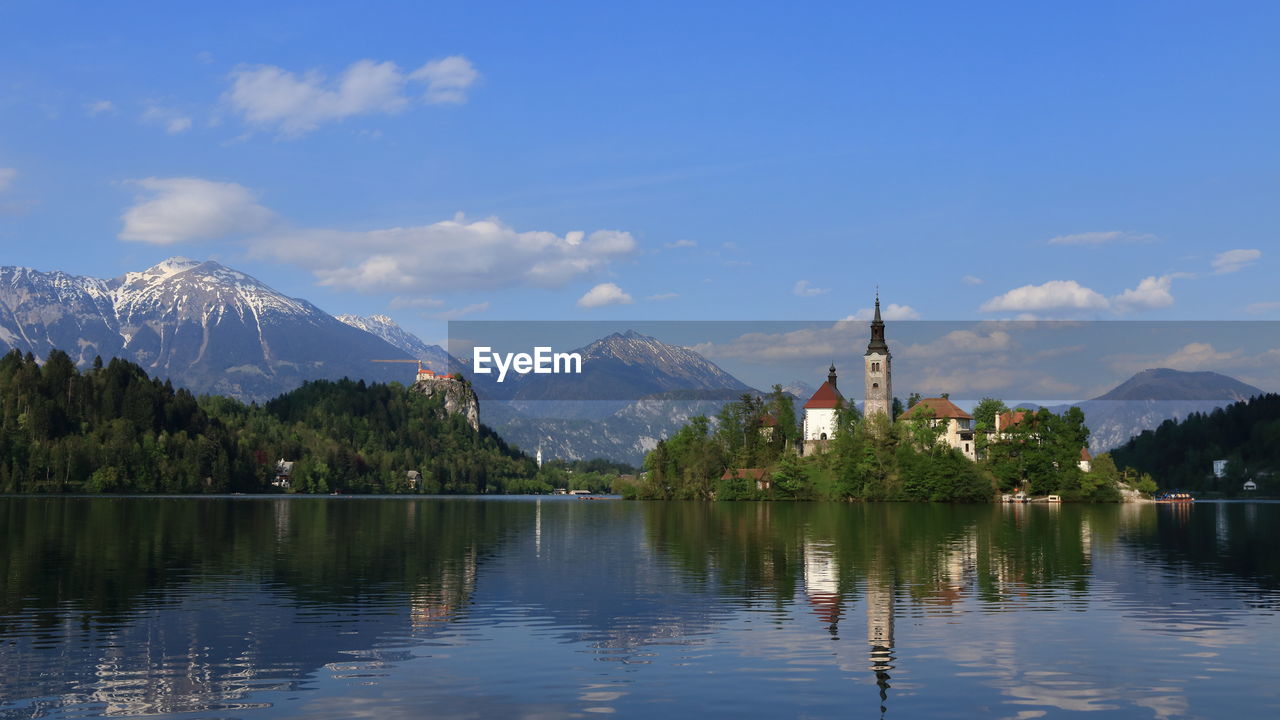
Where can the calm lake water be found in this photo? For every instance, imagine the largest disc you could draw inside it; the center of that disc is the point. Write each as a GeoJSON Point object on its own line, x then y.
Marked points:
{"type": "Point", "coordinates": [555, 608]}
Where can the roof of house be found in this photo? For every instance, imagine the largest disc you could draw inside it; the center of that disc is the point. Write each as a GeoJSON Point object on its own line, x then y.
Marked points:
{"type": "Point", "coordinates": [1012, 417]}
{"type": "Point", "coordinates": [768, 420]}
{"type": "Point", "coordinates": [826, 397]}
{"type": "Point", "coordinates": [941, 407]}
{"type": "Point", "coordinates": [744, 474]}
{"type": "Point", "coordinates": [1084, 454]}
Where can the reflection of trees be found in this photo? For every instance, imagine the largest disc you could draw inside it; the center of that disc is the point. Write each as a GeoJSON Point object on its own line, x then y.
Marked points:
{"type": "Point", "coordinates": [829, 556]}
{"type": "Point", "coordinates": [757, 551]}
{"type": "Point", "coordinates": [1215, 541]}
{"type": "Point", "coordinates": [174, 605]}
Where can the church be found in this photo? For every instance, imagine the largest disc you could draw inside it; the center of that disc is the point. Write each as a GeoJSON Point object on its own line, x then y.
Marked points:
{"type": "Point", "coordinates": [877, 377]}
{"type": "Point", "coordinates": [820, 411]}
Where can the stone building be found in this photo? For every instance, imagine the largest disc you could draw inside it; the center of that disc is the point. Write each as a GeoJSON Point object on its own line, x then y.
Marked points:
{"type": "Point", "coordinates": [957, 424]}
{"type": "Point", "coordinates": [878, 377]}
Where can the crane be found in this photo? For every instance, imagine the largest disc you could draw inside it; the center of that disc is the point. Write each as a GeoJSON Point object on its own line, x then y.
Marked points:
{"type": "Point", "coordinates": [423, 372]}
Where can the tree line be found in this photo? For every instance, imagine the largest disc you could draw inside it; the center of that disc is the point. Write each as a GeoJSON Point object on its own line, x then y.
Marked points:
{"type": "Point", "coordinates": [1181, 454]}
{"type": "Point", "coordinates": [111, 428]}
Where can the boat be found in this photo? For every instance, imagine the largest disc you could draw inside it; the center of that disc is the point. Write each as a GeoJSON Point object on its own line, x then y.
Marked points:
{"type": "Point", "coordinates": [1020, 497]}
{"type": "Point", "coordinates": [1174, 497]}
{"type": "Point", "coordinates": [1054, 498]}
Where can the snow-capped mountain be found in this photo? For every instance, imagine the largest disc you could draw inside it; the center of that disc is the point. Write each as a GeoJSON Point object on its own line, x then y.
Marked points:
{"type": "Point", "coordinates": [384, 327]}
{"type": "Point", "coordinates": [203, 325]}
{"type": "Point", "coordinates": [42, 311]}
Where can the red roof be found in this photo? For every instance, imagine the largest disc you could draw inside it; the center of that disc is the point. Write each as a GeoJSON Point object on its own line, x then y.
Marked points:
{"type": "Point", "coordinates": [942, 408]}
{"type": "Point", "coordinates": [744, 474]}
{"type": "Point", "coordinates": [1013, 417]}
{"type": "Point", "coordinates": [1084, 454]}
{"type": "Point", "coordinates": [768, 420]}
{"type": "Point", "coordinates": [826, 397]}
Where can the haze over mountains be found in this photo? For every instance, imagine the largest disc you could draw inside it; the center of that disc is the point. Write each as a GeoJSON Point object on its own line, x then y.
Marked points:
{"type": "Point", "coordinates": [1152, 396]}
{"type": "Point", "coordinates": [216, 330]}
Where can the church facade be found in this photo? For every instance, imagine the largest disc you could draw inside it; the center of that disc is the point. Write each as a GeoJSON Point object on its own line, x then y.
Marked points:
{"type": "Point", "coordinates": [820, 410]}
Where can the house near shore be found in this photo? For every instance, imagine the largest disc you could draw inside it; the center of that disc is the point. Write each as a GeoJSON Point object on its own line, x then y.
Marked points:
{"type": "Point", "coordinates": [957, 424]}
{"type": "Point", "coordinates": [284, 474]}
{"type": "Point", "coordinates": [760, 476]}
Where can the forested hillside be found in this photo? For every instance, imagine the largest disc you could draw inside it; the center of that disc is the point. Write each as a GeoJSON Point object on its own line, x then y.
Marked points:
{"type": "Point", "coordinates": [1181, 455]}
{"type": "Point", "coordinates": [113, 429]}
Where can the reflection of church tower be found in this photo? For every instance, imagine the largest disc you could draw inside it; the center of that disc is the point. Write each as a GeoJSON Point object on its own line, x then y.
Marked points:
{"type": "Point", "coordinates": [879, 386]}
{"type": "Point", "coordinates": [880, 633]}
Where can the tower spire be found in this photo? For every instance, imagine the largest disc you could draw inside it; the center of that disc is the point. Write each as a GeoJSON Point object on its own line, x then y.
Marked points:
{"type": "Point", "coordinates": [877, 343]}
{"type": "Point", "coordinates": [831, 374]}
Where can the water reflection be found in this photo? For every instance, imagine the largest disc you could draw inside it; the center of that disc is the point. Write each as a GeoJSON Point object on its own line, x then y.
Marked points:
{"type": "Point", "coordinates": [248, 607]}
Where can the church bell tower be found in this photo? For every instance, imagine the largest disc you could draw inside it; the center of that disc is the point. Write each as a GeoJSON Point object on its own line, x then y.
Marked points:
{"type": "Point", "coordinates": [879, 386]}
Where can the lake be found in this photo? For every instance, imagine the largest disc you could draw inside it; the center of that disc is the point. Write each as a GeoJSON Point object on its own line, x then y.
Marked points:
{"type": "Point", "coordinates": [556, 607]}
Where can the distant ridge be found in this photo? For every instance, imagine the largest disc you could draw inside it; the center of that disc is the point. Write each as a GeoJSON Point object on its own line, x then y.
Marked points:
{"type": "Point", "coordinates": [1166, 384]}
{"type": "Point", "coordinates": [1152, 396]}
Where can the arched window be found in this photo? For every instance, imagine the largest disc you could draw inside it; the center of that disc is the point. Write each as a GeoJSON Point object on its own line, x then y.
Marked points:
{"type": "Point", "coordinates": [824, 436]}
{"type": "Point", "coordinates": [875, 385]}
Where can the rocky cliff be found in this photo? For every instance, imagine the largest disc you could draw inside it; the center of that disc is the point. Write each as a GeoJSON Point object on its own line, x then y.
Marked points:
{"type": "Point", "coordinates": [458, 395]}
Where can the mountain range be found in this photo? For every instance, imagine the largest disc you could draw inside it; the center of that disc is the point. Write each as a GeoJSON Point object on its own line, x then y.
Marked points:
{"type": "Point", "coordinates": [217, 330]}
{"type": "Point", "coordinates": [203, 325]}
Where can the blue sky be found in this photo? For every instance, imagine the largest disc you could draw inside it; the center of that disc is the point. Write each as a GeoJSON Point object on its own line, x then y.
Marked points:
{"type": "Point", "coordinates": [659, 160]}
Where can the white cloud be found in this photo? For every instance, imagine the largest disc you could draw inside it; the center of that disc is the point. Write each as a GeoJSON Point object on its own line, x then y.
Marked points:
{"type": "Point", "coordinates": [892, 311]}
{"type": "Point", "coordinates": [604, 294]}
{"type": "Point", "coordinates": [173, 210]}
{"type": "Point", "coordinates": [272, 97]}
{"type": "Point", "coordinates": [663, 296]}
{"type": "Point", "coordinates": [1198, 356]}
{"type": "Point", "coordinates": [1262, 308]}
{"type": "Point", "coordinates": [680, 244]}
{"type": "Point", "coordinates": [803, 289]}
{"type": "Point", "coordinates": [1101, 238]}
{"type": "Point", "coordinates": [456, 313]}
{"type": "Point", "coordinates": [98, 108]}
{"type": "Point", "coordinates": [447, 79]}
{"type": "Point", "coordinates": [959, 342]}
{"type": "Point", "coordinates": [173, 121]}
{"type": "Point", "coordinates": [400, 303]}
{"type": "Point", "coordinates": [454, 254]}
{"type": "Point", "coordinates": [1055, 296]}
{"type": "Point", "coordinates": [449, 255]}
{"type": "Point", "coordinates": [1152, 292]}
{"type": "Point", "coordinates": [7, 176]}
{"type": "Point", "coordinates": [971, 280]}
{"type": "Point", "coordinates": [1233, 260]}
